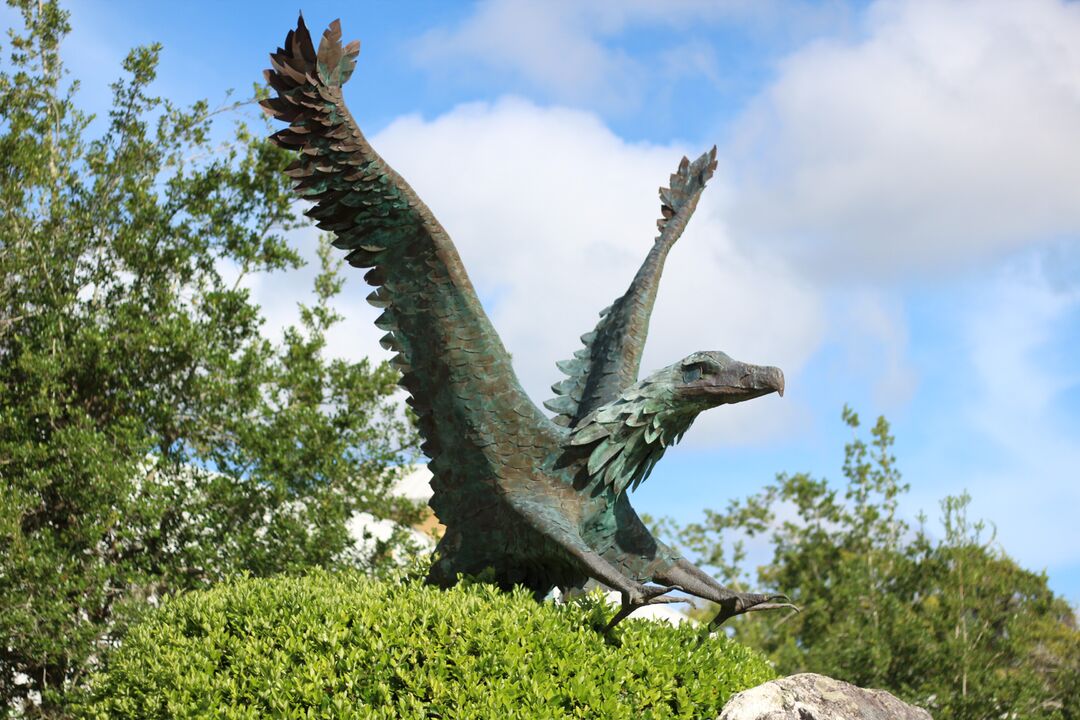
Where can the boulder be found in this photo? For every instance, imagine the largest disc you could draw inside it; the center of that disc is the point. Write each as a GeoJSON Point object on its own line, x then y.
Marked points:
{"type": "Point", "coordinates": [817, 697]}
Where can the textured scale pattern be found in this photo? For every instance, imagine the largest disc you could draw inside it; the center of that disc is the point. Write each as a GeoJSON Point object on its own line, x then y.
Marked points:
{"type": "Point", "coordinates": [627, 437]}
{"type": "Point", "coordinates": [470, 405]}
{"type": "Point", "coordinates": [537, 503]}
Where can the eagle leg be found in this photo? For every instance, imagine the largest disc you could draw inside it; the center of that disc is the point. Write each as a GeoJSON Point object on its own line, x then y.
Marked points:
{"type": "Point", "coordinates": [696, 582]}
{"type": "Point", "coordinates": [555, 528]}
{"type": "Point", "coordinates": [652, 597]}
{"type": "Point", "coordinates": [741, 603]}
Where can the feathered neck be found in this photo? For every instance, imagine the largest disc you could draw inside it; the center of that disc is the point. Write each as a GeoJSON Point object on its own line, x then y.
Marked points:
{"type": "Point", "coordinates": [631, 434]}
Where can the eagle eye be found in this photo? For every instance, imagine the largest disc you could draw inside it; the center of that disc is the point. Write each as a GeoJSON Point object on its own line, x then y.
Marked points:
{"type": "Point", "coordinates": [693, 372]}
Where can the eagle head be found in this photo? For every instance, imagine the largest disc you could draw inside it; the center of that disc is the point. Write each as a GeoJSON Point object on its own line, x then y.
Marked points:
{"type": "Point", "coordinates": [714, 378]}
{"type": "Point", "coordinates": [625, 438]}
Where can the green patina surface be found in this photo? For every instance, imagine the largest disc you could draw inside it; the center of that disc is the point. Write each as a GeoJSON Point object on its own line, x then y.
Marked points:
{"type": "Point", "coordinates": [536, 501]}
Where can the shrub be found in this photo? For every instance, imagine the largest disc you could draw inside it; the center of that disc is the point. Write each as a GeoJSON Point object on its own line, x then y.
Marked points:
{"type": "Point", "coordinates": [345, 646]}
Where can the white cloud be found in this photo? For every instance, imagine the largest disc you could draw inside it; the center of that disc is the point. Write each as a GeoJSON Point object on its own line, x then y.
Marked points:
{"type": "Point", "coordinates": [947, 135]}
{"type": "Point", "coordinates": [570, 51]}
{"type": "Point", "coordinates": [872, 329]}
{"type": "Point", "coordinates": [552, 214]}
{"type": "Point", "coordinates": [545, 44]}
{"type": "Point", "coordinates": [1015, 340]}
{"type": "Point", "coordinates": [1012, 335]}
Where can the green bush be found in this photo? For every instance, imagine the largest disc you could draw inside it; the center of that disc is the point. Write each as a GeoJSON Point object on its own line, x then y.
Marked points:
{"type": "Point", "coordinates": [340, 645]}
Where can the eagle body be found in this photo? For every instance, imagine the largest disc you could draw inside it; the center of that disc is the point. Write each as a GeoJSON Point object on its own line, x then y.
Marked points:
{"type": "Point", "coordinates": [511, 540]}
{"type": "Point", "coordinates": [526, 499]}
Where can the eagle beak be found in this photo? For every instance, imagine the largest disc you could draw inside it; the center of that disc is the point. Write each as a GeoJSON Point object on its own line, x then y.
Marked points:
{"type": "Point", "coordinates": [737, 383]}
{"type": "Point", "coordinates": [776, 377]}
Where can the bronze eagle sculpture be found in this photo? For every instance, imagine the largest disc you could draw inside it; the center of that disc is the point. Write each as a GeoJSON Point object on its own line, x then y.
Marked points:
{"type": "Point", "coordinates": [530, 500]}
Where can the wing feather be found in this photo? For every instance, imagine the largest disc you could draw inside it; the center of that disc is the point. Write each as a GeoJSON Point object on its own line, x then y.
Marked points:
{"type": "Point", "coordinates": [471, 409]}
{"type": "Point", "coordinates": [609, 361]}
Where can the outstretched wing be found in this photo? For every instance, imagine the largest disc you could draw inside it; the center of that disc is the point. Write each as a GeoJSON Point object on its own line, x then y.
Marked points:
{"type": "Point", "coordinates": [608, 363]}
{"type": "Point", "coordinates": [472, 410]}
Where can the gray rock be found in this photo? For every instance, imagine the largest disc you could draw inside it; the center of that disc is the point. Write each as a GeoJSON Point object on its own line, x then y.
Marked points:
{"type": "Point", "coordinates": [816, 697]}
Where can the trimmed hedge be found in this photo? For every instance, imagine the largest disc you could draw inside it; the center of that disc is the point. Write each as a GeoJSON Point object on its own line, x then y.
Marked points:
{"type": "Point", "coordinates": [345, 646]}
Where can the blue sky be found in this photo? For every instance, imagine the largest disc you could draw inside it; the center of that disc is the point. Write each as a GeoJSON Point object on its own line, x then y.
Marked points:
{"type": "Point", "coordinates": [894, 221]}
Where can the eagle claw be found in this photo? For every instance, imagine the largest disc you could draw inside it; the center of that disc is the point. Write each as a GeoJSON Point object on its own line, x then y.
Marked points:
{"type": "Point", "coordinates": [749, 602]}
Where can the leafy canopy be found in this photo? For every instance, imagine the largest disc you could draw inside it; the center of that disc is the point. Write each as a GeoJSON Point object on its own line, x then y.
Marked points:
{"type": "Point", "coordinates": [151, 439]}
{"type": "Point", "coordinates": [944, 620]}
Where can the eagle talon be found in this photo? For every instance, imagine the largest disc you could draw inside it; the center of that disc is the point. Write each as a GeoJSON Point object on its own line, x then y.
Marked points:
{"type": "Point", "coordinates": [741, 604]}
{"type": "Point", "coordinates": [654, 593]}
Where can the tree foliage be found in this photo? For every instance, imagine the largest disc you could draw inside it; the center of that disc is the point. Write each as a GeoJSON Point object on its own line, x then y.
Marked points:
{"type": "Point", "coordinates": [945, 620]}
{"type": "Point", "coordinates": [340, 646]}
{"type": "Point", "coordinates": [151, 439]}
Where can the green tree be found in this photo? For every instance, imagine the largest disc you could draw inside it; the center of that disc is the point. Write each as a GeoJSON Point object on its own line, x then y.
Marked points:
{"type": "Point", "coordinates": [151, 439]}
{"type": "Point", "coordinates": [948, 622]}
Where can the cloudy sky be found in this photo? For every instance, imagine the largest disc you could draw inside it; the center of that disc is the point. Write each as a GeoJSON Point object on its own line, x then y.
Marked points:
{"type": "Point", "coordinates": [895, 220]}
